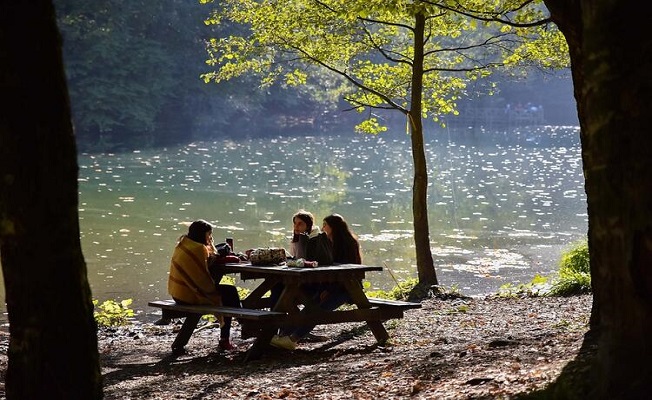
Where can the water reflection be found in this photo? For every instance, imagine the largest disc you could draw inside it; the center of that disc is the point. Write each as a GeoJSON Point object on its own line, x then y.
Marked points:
{"type": "Point", "coordinates": [502, 208]}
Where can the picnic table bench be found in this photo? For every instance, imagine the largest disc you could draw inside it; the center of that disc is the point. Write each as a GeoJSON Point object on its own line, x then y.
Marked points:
{"type": "Point", "coordinates": [258, 320]}
{"type": "Point", "coordinates": [403, 305]}
{"type": "Point", "coordinates": [193, 313]}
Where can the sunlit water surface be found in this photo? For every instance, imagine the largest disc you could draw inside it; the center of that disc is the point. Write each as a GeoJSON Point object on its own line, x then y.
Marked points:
{"type": "Point", "coordinates": [502, 208]}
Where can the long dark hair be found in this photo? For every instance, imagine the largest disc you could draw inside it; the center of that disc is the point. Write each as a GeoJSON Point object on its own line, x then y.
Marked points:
{"type": "Point", "coordinates": [197, 231]}
{"type": "Point", "coordinates": [346, 248]}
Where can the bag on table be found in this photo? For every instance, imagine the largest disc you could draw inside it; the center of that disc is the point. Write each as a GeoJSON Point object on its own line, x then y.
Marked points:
{"type": "Point", "coordinates": [268, 256]}
{"type": "Point", "coordinates": [223, 249]}
{"type": "Point", "coordinates": [320, 249]}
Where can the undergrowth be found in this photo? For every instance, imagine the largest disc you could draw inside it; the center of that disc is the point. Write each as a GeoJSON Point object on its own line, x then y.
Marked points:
{"type": "Point", "coordinates": [113, 313]}
{"type": "Point", "coordinates": [573, 277]}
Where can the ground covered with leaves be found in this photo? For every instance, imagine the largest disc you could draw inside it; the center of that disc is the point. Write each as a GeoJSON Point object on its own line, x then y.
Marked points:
{"type": "Point", "coordinates": [456, 348]}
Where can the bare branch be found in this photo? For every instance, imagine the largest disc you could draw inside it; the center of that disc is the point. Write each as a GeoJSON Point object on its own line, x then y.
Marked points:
{"type": "Point", "coordinates": [349, 78]}
{"type": "Point", "coordinates": [385, 53]}
{"type": "Point", "coordinates": [500, 16]}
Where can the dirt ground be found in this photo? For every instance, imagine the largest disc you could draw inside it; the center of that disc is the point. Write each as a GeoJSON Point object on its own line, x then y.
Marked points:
{"type": "Point", "coordinates": [484, 348]}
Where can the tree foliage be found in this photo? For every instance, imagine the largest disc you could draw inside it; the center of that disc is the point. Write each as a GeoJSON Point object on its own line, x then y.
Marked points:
{"type": "Point", "coordinates": [134, 68]}
{"type": "Point", "coordinates": [369, 46]}
{"type": "Point", "coordinates": [134, 71]}
{"type": "Point", "coordinates": [415, 57]}
{"type": "Point", "coordinates": [120, 74]}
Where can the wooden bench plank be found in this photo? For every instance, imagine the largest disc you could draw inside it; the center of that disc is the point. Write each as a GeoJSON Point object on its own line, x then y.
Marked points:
{"type": "Point", "coordinates": [192, 314]}
{"type": "Point", "coordinates": [241, 313]}
{"type": "Point", "coordinates": [393, 303]}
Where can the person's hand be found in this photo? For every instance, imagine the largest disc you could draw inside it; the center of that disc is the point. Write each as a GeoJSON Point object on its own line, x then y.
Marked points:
{"type": "Point", "coordinates": [211, 247]}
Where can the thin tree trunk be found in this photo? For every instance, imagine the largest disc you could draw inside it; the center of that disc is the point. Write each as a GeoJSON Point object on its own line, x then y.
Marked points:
{"type": "Point", "coordinates": [425, 263]}
{"type": "Point", "coordinates": [53, 341]}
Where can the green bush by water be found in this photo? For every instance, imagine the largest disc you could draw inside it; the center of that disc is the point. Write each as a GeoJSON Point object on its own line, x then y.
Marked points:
{"type": "Point", "coordinates": [574, 272]}
{"type": "Point", "coordinates": [113, 313]}
{"type": "Point", "coordinates": [399, 292]}
{"type": "Point", "coordinates": [574, 277]}
{"type": "Point", "coordinates": [538, 286]}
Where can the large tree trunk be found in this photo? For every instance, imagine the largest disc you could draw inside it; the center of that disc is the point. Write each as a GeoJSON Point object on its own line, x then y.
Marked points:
{"type": "Point", "coordinates": [611, 52]}
{"type": "Point", "coordinates": [53, 341]}
{"type": "Point", "coordinates": [425, 263]}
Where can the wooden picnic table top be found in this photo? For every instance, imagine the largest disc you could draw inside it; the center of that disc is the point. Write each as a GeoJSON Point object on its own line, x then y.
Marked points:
{"type": "Point", "coordinates": [286, 270]}
{"type": "Point", "coordinates": [326, 273]}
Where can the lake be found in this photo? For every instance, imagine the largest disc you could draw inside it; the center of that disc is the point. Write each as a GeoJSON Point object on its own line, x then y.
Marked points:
{"type": "Point", "coordinates": [502, 207]}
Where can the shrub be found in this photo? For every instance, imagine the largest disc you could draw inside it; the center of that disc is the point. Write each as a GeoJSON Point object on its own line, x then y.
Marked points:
{"type": "Point", "coordinates": [574, 277]}
{"type": "Point", "coordinates": [113, 313]}
{"type": "Point", "coordinates": [537, 286]}
{"type": "Point", "coordinates": [398, 292]}
{"type": "Point", "coordinates": [574, 272]}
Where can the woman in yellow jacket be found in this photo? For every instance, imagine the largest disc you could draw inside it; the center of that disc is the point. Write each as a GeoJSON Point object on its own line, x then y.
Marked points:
{"type": "Point", "coordinates": [190, 281]}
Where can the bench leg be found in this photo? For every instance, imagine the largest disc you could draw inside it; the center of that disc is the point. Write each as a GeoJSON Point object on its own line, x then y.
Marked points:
{"type": "Point", "coordinates": [379, 331]}
{"type": "Point", "coordinates": [189, 325]}
{"type": "Point", "coordinates": [166, 318]}
{"type": "Point", "coordinates": [261, 343]}
{"type": "Point", "coordinates": [360, 300]}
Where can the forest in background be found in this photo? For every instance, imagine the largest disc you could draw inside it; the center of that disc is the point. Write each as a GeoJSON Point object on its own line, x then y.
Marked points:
{"type": "Point", "coordinates": [134, 75]}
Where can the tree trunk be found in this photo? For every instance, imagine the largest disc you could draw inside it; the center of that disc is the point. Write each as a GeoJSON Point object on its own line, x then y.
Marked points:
{"type": "Point", "coordinates": [53, 341]}
{"type": "Point", "coordinates": [425, 264]}
{"type": "Point", "coordinates": [611, 53]}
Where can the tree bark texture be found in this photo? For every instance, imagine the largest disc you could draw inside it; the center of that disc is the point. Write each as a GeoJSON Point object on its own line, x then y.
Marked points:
{"type": "Point", "coordinates": [425, 263]}
{"type": "Point", "coordinates": [611, 52]}
{"type": "Point", "coordinates": [53, 341]}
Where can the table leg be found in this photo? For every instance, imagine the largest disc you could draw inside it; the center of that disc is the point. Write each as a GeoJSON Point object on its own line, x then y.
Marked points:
{"type": "Point", "coordinates": [255, 300]}
{"type": "Point", "coordinates": [291, 297]}
{"type": "Point", "coordinates": [255, 297]}
{"type": "Point", "coordinates": [360, 300]}
{"type": "Point", "coordinates": [261, 344]}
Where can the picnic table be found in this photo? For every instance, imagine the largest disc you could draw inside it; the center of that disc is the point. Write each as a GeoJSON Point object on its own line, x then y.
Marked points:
{"type": "Point", "coordinates": [295, 306]}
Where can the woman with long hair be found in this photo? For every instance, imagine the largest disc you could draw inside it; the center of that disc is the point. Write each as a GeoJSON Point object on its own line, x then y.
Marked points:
{"type": "Point", "coordinates": [346, 248]}
{"type": "Point", "coordinates": [190, 280]}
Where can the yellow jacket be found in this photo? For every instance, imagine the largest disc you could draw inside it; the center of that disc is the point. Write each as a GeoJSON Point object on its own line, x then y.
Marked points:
{"type": "Point", "coordinates": [189, 279]}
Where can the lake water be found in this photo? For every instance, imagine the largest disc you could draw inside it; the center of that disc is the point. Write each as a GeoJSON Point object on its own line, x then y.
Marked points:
{"type": "Point", "coordinates": [502, 207]}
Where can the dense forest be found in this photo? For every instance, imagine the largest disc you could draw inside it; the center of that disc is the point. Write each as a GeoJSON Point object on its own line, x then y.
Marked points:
{"type": "Point", "coordinates": [134, 73]}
